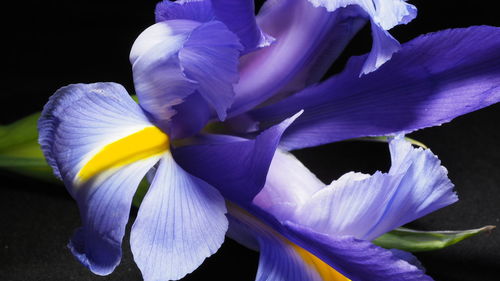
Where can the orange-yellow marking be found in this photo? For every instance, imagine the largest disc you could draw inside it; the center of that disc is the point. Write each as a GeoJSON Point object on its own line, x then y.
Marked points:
{"type": "Point", "coordinates": [148, 142]}
{"type": "Point", "coordinates": [326, 272]}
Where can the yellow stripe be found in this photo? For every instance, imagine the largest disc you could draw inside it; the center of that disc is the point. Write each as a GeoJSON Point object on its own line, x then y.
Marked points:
{"type": "Point", "coordinates": [148, 142]}
{"type": "Point", "coordinates": [326, 272]}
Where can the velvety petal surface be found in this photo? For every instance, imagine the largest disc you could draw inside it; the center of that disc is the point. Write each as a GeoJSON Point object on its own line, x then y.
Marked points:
{"type": "Point", "coordinates": [384, 15]}
{"type": "Point", "coordinates": [430, 81]}
{"type": "Point", "coordinates": [357, 259]}
{"type": "Point", "coordinates": [173, 59]}
{"type": "Point", "coordinates": [237, 167]}
{"type": "Point", "coordinates": [366, 206]}
{"type": "Point", "coordinates": [181, 222]}
{"type": "Point", "coordinates": [308, 40]}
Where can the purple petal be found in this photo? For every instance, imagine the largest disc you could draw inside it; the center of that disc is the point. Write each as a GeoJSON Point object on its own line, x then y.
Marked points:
{"type": "Point", "coordinates": [197, 10]}
{"type": "Point", "coordinates": [181, 222]}
{"type": "Point", "coordinates": [280, 259]}
{"type": "Point", "coordinates": [238, 16]}
{"type": "Point", "coordinates": [384, 15]}
{"type": "Point", "coordinates": [81, 118]}
{"type": "Point", "coordinates": [357, 259]}
{"type": "Point", "coordinates": [159, 80]}
{"type": "Point", "coordinates": [432, 80]}
{"type": "Point", "coordinates": [190, 118]}
{"type": "Point", "coordinates": [289, 184]}
{"type": "Point", "coordinates": [210, 57]}
{"type": "Point", "coordinates": [308, 40]}
{"type": "Point", "coordinates": [77, 121]}
{"type": "Point", "coordinates": [104, 207]}
{"type": "Point", "coordinates": [236, 167]}
{"type": "Point", "coordinates": [366, 206]}
{"type": "Point", "coordinates": [173, 59]}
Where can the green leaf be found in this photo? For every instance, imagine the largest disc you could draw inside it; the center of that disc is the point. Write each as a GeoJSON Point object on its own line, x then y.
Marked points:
{"type": "Point", "coordinates": [20, 151]}
{"type": "Point", "coordinates": [19, 132]}
{"type": "Point", "coordinates": [140, 193]}
{"type": "Point", "coordinates": [419, 241]}
{"type": "Point", "coordinates": [386, 139]}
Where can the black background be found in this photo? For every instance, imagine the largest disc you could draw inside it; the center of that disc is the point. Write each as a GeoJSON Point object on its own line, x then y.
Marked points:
{"type": "Point", "coordinates": [54, 43]}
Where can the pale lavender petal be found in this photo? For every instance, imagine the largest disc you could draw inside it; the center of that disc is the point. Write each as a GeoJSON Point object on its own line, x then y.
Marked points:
{"type": "Point", "coordinates": [366, 206]}
{"type": "Point", "coordinates": [159, 80]}
{"type": "Point", "coordinates": [78, 121]}
{"type": "Point", "coordinates": [238, 16]}
{"type": "Point", "coordinates": [432, 80]}
{"type": "Point", "coordinates": [104, 207]}
{"type": "Point", "coordinates": [82, 118]}
{"type": "Point", "coordinates": [174, 59]}
{"type": "Point", "coordinates": [289, 184]}
{"type": "Point", "coordinates": [181, 222]}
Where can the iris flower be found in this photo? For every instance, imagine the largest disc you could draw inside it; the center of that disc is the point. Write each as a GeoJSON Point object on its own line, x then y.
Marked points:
{"type": "Point", "coordinates": [212, 62]}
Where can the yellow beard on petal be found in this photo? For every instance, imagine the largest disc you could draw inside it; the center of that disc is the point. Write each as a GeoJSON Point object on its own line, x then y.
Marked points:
{"type": "Point", "coordinates": [146, 143]}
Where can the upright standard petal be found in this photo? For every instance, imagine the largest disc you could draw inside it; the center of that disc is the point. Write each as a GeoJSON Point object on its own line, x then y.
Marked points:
{"type": "Point", "coordinates": [432, 80]}
{"type": "Point", "coordinates": [366, 206]}
{"type": "Point", "coordinates": [384, 15]}
{"type": "Point", "coordinates": [197, 10]}
{"type": "Point", "coordinates": [238, 16]}
{"type": "Point", "coordinates": [173, 59]}
{"type": "Point", "coordinates": [237, 167]}
{"type": "Point", "coordinates": [101, 144]}
{"type": "Point", "coordinates": [181, 221]}
{"type": "Point", "coordinates": [308, 40]}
